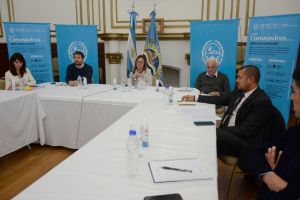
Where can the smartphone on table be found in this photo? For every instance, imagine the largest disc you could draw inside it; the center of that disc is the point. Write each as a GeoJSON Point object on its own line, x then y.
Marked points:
{"type": "Point", "coordinates": [174, 196]}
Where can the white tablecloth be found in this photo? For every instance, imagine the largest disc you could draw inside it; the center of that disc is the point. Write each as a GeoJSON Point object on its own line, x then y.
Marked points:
{"type": "Point", "coordinates": [101, 110]}
{"type": "Point", "coordinates": [98, 170]}
{"type": "Point", "coordinates": [21, 120]}
{"type": "Point", "coordinates": [62, 105]}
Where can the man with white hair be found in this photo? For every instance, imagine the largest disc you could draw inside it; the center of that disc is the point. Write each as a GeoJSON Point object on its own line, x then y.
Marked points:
{"type": "Point", "coordinates": [213, 82]}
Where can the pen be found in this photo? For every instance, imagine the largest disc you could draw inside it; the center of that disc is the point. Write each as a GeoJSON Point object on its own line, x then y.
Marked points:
{"type": "Point", "coordinates": [177, 169]}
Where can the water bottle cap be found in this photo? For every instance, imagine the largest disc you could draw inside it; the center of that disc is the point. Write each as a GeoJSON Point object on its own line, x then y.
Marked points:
{"type": "Point", "coordinates": [132, 132]}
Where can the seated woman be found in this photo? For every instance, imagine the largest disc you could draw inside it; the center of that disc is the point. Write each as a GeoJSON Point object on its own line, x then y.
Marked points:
{"type": "Point", "coordinates": [140, 71]}
{"type": "Point", "coordinates": [17, 70]}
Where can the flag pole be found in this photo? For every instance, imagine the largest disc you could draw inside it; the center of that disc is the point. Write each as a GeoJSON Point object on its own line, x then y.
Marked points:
{"type": "Point", "coordinates": [132, 6]}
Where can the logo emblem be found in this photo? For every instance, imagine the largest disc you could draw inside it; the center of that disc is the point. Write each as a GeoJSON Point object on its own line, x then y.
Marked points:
{"type": "Point", "coordinates": [77, 46]}
{"type": "Point", "coordinates": [212, 49]}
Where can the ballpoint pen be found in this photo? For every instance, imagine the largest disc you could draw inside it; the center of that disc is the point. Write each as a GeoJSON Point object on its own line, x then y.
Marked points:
{"type": "Point", "coordinates": [177, 169]}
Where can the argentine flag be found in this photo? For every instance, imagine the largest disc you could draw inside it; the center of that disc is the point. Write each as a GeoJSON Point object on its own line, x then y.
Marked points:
{"type": "Point", "coordinates": [131, 46]}
{"type": "Point", "coordinates": [152, 51]}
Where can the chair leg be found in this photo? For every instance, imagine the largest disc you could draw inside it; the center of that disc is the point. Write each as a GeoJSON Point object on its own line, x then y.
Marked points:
{"type": "Point", "coordinates": [230, 183]}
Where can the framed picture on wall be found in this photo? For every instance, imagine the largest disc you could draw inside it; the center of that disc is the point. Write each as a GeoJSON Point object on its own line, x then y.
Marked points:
{"type": "Point", "coordinates": [159, 22]}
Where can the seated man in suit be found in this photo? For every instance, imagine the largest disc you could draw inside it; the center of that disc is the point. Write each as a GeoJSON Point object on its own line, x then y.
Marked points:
{"type": "Point", "coordinates": [247, 119]}
{"type": "Point", "coordinates": [213, 82]}
{"type": "Point", "coordinates": [277, 164]}
{"type": "Point", "coordinates": [78, 68]}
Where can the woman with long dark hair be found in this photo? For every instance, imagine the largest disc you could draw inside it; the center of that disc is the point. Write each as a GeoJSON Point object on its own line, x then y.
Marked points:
{"type": "Point", "coordinates": [18, 71]}
{"type": "Point", "coordinates": [140, 71]}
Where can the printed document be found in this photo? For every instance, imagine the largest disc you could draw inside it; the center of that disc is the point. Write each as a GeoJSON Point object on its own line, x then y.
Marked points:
{"type": "Point", "coordinates": [177, 170]}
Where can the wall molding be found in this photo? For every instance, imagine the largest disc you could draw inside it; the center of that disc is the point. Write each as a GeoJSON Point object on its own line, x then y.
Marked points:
{"type": "Point", "coordinates": [163, 36]}
{"type": "Point", "coordinates": [114, 58]}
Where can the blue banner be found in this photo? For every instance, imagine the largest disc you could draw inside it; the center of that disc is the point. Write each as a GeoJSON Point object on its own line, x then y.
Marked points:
{"type": "Point", "coordinates": [71, 38]}
{"type": "Point", "coordinates": [272, 45]}
{"type": "Point", "coordinates": [208, 40]}
{"type": "Point", "coordinates": [32, 40]}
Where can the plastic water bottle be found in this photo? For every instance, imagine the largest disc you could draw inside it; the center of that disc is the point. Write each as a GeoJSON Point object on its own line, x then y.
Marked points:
{"type": "Point", "coordinates": [139, 83]}
{"type": "Point", "coordinates": [170, 95]}
{"type": "Point", "coordinates": [129, 84]}
{"type": "Point", "coordinates": [145, 133]}
{"type": "Point", "coordinates": [132, 154]}
{"type": "Point", "coordinates": [114, 84]}
{"type": "Point", "coordinates": [157, 85]}
{"type": "Point", "coordinates": [13, 84]}
{"type": "Point", "coordinates": [84, 83]}
{"type": "Point", "coordinates": [79, 82]}
{"type": "Point", "coordinates": [21, 83]}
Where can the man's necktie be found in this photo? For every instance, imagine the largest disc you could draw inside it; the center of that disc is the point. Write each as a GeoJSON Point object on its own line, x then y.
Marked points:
{"type": "Point", "coordinates": [230, 110]}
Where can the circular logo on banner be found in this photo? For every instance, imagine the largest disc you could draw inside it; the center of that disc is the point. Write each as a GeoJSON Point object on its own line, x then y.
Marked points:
{"type": "Point", "coordinates": [77, 46]}
{"type": "Point", "coordinates": [212, 49]}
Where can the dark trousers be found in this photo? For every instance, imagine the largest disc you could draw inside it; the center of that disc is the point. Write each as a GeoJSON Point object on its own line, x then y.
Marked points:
{"type": "Point", "coordinates": [231, 145]}
{"type": "Point", "coordinates": [228, 144]}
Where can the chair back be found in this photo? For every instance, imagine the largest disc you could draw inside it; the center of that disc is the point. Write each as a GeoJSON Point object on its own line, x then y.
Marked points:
{"type": "Point", "coordinates": [2, 84]}
{"type": "Point", "coordinates": [277, 127]}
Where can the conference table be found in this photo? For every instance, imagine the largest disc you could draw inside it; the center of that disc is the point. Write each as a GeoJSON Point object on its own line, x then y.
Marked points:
{"type": "Point", "coordinates": [63, 107]}
{"type": "Point", "coordinates": [21, 120]}
{"type": "Point", "coordinates": [75, 115]}
{"type": "Point", "coordinates": [102, 109]}
{"type": "Point", "coordinates": [98, 169]}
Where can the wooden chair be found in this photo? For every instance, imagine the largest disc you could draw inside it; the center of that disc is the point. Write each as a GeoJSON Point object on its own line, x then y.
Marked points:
{"type": "Point", "coordinates": [2, 84]}
{"type": "Point", "coordinates": [277, 128]}
{"type": "Point", "coordinates": [232, 161]}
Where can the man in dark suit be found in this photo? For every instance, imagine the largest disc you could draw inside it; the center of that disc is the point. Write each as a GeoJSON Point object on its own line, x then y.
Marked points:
{"type": "Point", "coordinates": [277, 164]}
{"type": "Point", "coordinates": [247, 119]}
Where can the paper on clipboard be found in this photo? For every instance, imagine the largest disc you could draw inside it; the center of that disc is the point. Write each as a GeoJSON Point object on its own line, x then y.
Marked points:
{"type": "Point", "coordinates": [177, 170]}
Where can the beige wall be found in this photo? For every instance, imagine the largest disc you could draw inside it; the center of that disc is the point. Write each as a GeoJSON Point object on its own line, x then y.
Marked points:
{"type": "Point", "coordinates": [111, 17]}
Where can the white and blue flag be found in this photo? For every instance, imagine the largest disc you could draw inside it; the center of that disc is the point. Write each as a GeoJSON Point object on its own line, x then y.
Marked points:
{"type": "Point", "coordinates": [131, 46]}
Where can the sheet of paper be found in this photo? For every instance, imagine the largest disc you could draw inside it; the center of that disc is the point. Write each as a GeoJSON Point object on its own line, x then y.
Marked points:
{"type": "Point", "coordinates": [185, 89]}
{"type": "Point", "coordinates": [196, 113]}
{"type": "Point", "coordinates": [177, 170]}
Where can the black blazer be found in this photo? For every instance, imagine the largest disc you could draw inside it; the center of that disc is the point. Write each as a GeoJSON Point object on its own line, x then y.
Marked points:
{"type": "Point", "coordinates": [253, 119]}
{"type": "Point", "coordinates": [288, 167]}
{"type": "Point", "coordinates": [253, 116]}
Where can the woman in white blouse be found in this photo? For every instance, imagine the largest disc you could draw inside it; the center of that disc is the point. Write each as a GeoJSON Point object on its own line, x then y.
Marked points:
{"type": "Point", "coordinates": [140, 71]}
{"type": "Point", "coordinates": [18, 71]}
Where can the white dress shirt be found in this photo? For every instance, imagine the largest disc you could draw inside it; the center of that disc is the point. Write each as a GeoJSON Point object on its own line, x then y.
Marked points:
{"type": "Point", "coordinates": [233, 116]}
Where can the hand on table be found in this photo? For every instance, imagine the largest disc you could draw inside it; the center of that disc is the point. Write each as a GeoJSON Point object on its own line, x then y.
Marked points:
{"type": "Point", "coordinates": [188, 98]}
{"type": "Point", "coordinates": [73, 83]}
